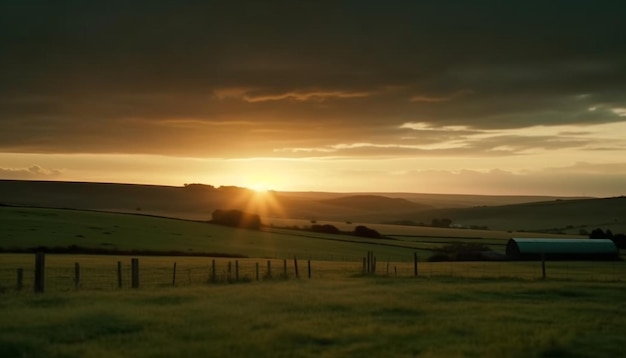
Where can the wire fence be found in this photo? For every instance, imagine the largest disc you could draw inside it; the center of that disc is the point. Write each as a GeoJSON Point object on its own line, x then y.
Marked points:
{"type": "Point", "coordinates": [84, 272]}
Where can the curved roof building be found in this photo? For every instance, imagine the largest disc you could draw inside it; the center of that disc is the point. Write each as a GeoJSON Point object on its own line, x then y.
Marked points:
{"type": "Point", "coordinates": [561, 249]}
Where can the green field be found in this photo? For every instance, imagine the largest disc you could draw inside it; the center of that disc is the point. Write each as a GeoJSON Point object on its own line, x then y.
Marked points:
{"type": "Point", "coordinates": [349, 317]}
{"type": "Point", "coordinates": [452, 309]}
{"type": "Point", "coordinates": [33, 227]}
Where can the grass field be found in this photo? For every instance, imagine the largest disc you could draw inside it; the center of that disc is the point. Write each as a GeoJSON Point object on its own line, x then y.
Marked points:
{"type": "Point", "coordinates": [453, 309]}
{"type": "Point", "coordinates": [32, 227]}
{"type": "Point", "coordinates": [350, 317]}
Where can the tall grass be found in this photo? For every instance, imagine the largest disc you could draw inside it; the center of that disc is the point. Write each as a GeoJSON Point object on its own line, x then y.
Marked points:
{"type": "Point", "coordinates": [100, 272]}
{"type": "Point", "coordinates": [350, 317]}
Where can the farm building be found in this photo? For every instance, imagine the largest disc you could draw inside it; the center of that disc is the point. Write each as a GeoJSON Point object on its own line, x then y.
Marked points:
{"type": "Point", "coordinates": [561, 249]}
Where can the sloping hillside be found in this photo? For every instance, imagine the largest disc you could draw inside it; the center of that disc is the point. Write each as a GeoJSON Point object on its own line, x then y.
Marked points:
{"type": "Point", "coordinates": [375, 203]}
{"type": "Point", "coordinates": [198, 201]}
{"type": "Point", "coordinates": [569, 216]}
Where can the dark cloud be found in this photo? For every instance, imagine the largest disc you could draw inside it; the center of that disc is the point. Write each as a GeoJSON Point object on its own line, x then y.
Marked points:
{"type": "Point", "coordinates": [180, 77]}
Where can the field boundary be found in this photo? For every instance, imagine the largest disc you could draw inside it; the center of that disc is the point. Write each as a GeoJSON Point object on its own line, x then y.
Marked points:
{"type": "Point", "coordinates": [19, 272]}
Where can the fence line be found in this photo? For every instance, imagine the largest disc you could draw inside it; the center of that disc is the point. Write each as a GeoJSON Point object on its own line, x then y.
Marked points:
{"type": "Point", "coordinates": [66, 272]}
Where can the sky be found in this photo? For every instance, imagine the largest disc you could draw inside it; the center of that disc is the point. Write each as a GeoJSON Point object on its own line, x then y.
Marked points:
{"type": "Point", "coordinates": [473, 97]}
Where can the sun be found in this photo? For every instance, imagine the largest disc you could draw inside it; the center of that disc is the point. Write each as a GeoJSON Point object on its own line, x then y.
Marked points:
{"type": "Point", "coordinates": [260, 187]}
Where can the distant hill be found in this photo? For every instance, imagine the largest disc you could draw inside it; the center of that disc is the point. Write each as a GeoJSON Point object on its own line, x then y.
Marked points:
{"type": "Point", "coordinates": [436, 200]}
{"type": "Point", "coordinates": [568, 216]}
{"type": "Point", "coordinates": [375, 203]}
{"type": "Point", "coordinates": [198, 201]}
{"type": "Point", "coordinates": [195, 202]}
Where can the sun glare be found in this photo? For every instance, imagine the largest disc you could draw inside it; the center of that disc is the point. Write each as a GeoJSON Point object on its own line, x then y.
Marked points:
{"type": "Point", "coordinates": [260, 187]}
{"type": "Point", "coordinates": [259, 199]}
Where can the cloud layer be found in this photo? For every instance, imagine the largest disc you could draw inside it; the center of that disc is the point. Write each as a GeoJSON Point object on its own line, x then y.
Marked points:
{"type": "Point", "coordinates": [481, 81]}
{"type": "Point", "coordinates": [178, 78]}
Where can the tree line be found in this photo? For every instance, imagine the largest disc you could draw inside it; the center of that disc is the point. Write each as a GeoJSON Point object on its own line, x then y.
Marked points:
{"type": "Point", "coordinates": [618, 239]}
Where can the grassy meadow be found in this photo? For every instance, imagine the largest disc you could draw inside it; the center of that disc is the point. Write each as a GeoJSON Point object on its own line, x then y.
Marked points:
{"type": "Point", "coordinates": [33, 227]}
{"type": "Point", "coordinates": [453, 309]}
{"type": "Point", "coordinates": [342, 317]}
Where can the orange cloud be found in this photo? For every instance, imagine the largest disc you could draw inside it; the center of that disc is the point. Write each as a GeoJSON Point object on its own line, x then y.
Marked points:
{"type": "Point", "coordinates": [437, 99]}
{"type": "Point", "coordinates": [306, 96]}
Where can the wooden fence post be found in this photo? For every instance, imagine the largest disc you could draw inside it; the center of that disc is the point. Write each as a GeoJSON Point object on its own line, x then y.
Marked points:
{"type": "Point", "coordinates": [236, 270]}
{"type": "Point", "coordinates": [285, 268]}
{"type": "Point", "coordinates": [213, 272]}
{"type": "Point", "coordinates": [174, 275]}
{"type": "Point", "coordinates": [20, 279]}
{"type": "Point", "coordinates": [415, 264]}
{"type": "Point", "coordinates": [387, 273]}
{"type": "Point", "coordinates": [295, 265]}
{"type": "Point", "coordinates": [373, 264]}
{"type": "Point", "coordinates": [119, 274]}
{"type": "Point", "coordinates": [269, 269]}
{"type": "Point", "coordinates": [134, 273]}
{"type": "Point", "coordinates": [230, 270]}
{"type": "Point", "coordinates": [309, 267]}
{"type": "Point", "coordinates": [76, 275]}
{"type": "Point", "coordinates": [370, 263]}
{"type": "Point", "coordinates": [40, 272]}
{"type": "Point", "coordinates": [257, 271]}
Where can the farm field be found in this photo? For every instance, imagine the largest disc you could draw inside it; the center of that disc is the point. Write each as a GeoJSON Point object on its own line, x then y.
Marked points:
{"type": "Point", "coordinates": [30, 227]}
{"type": "Point", "coordinates": [185, 308]}
{"type": "Point", "coordinates": [339, 317]}
{"type": "Point", "coordinates": [417, 231]}
{"type": "Point", "coordinates": [33, 227]}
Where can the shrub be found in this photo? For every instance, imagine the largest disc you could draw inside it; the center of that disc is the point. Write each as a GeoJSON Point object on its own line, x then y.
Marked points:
{"type": "Point", "coordinates": [364, 231]}
{"type": "Point", "coordinates": [326, 228]}
{"type": "Point", "coordinates": [441, 223]}
{"type": "Point", "coordinates": [236, 218]}
{"type": "Point", "coordinates": [619, 240]}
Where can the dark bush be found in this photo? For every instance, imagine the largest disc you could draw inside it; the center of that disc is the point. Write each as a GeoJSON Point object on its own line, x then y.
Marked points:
{"type": "Point", "coordinates": [236, 218]}
{"type": "Point", "coordinates": [599, 234]}
{"type": "Point", "coordinates": [364, 231]}
{"type": "Point", "coordinates": [326, 228]}
{"type": "Point", "coordinates": [618, 239]}
{"type": "Point", "coordinates": [441, 222]}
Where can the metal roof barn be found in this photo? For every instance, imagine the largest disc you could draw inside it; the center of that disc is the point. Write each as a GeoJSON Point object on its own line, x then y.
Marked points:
{"type": "Point", "coordinates": [561, 249]}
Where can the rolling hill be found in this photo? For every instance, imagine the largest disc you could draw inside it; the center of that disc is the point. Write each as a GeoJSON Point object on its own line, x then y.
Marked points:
{"type": "Point", "coordinates": [375, 203]}
{"type": "Point", "coordinates": [568, 216]}
{"type": "Point", "coordinates": [197, 202]}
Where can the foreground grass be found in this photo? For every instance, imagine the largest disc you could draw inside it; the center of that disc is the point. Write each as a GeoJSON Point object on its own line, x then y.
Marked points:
{"type": "Point", "coordinates": [350, 317]}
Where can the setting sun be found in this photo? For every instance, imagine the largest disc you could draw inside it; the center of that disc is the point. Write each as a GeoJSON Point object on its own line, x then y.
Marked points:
{"type": "Point", "coordinates": [259, 187]}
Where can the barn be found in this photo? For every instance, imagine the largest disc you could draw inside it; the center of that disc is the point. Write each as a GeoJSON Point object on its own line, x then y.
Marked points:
{"type": "Point", "coordinates": [561, 249]}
